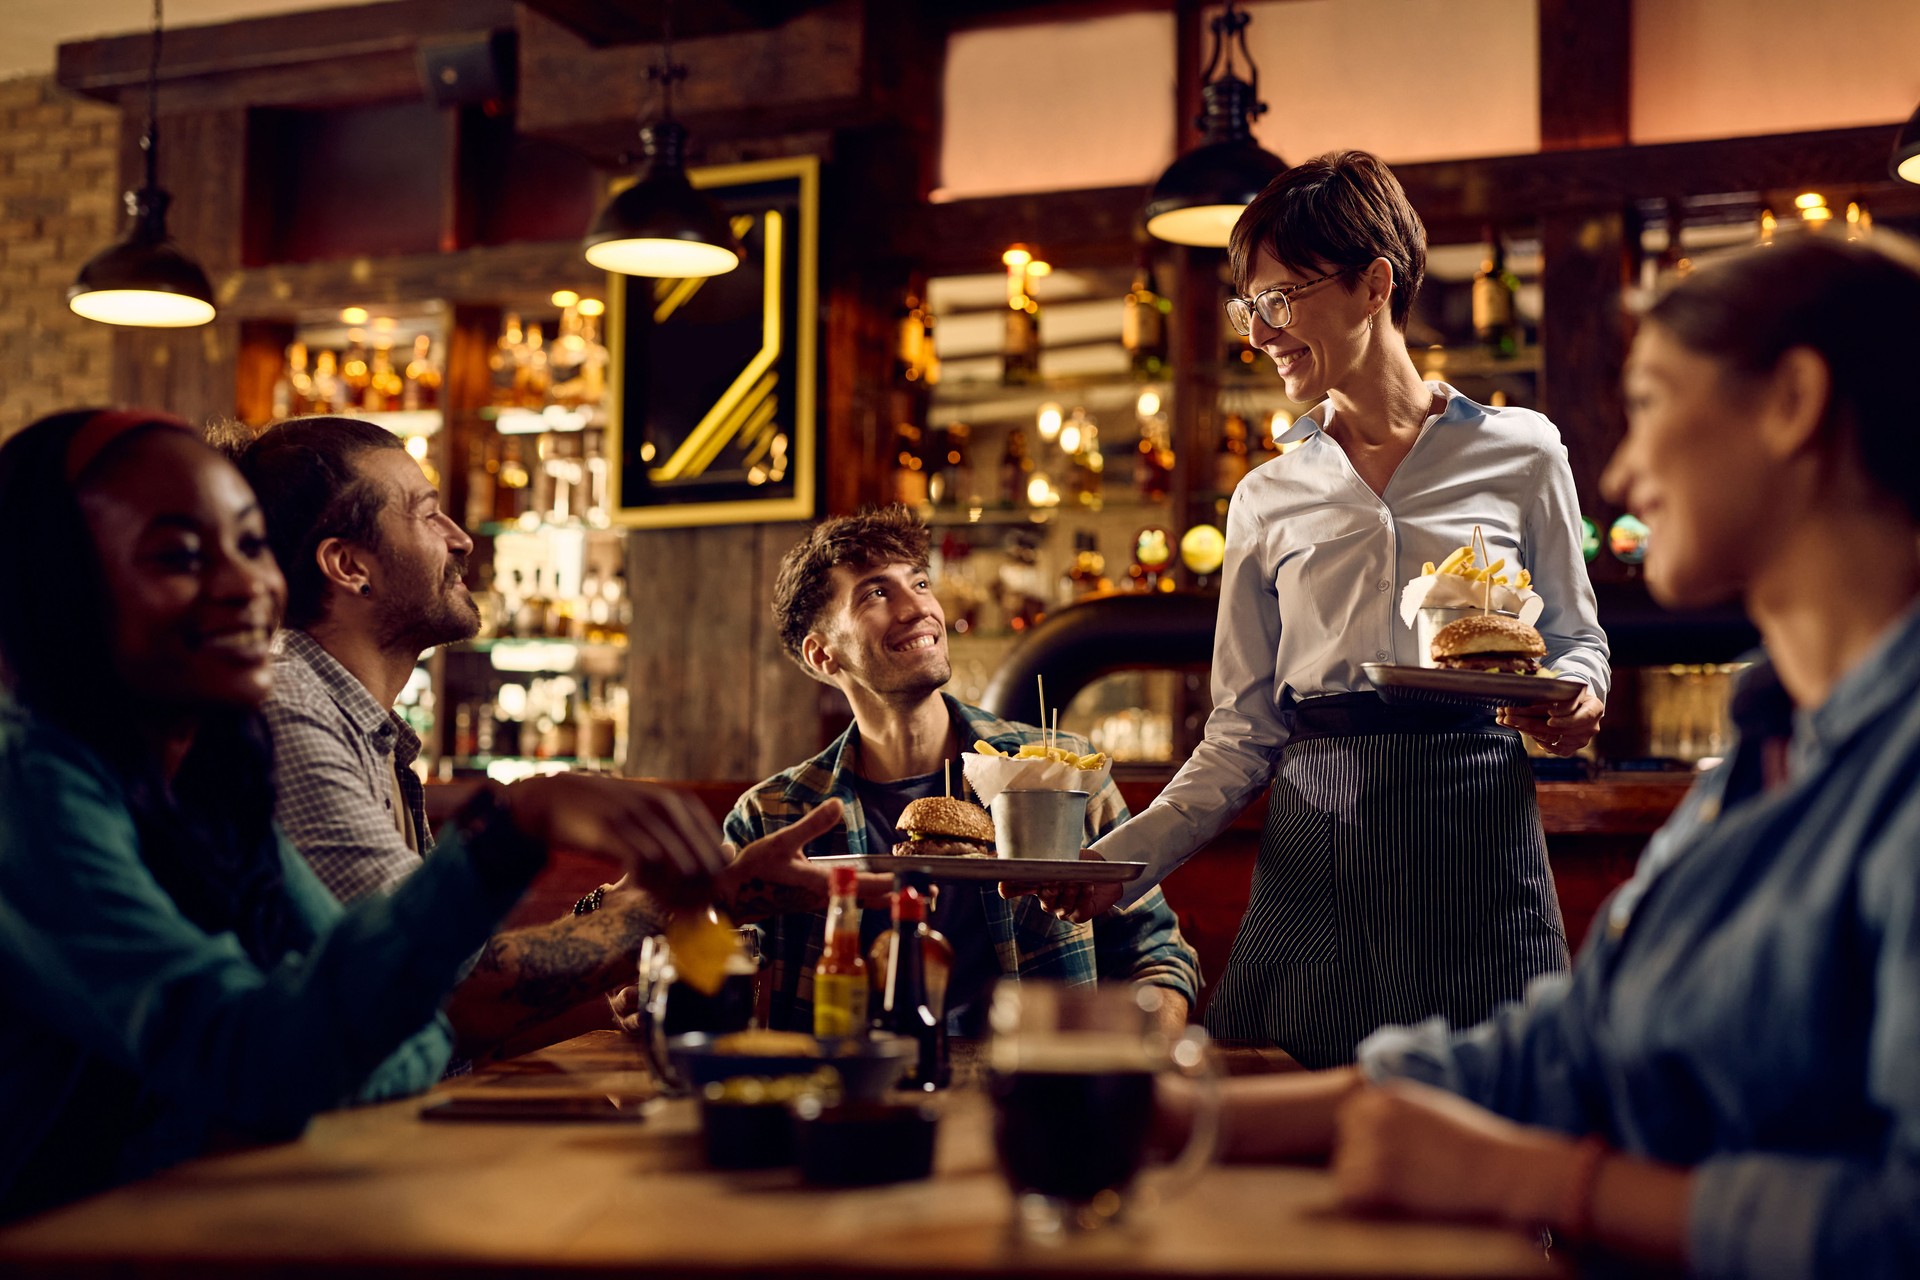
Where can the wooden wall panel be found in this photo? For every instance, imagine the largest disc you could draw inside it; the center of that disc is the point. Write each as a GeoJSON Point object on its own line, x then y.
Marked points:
{"type": "Point", "coordinates": [1585, 261]}
{"type": "Point", "coordinates": [189, 372]}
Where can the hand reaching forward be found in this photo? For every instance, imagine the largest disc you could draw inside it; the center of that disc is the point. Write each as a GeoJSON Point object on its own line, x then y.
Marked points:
{"type": "Point", "coordinates": [773, 875]}
{"type": "Point", "coordinates": [661, 838]}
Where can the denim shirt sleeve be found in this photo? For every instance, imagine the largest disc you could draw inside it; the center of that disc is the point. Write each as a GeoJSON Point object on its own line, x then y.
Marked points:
{"type": "Point", "coordinates": [1528, 1062]}
{"type": "Point", "coordinates": [94, 948]}
{"type": "Point", "coordinates": [1765, 1214]}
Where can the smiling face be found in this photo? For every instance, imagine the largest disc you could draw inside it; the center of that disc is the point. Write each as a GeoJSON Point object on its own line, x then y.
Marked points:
{"type": "Point", "coordinates": [884, 631]}
{"type": "Point", "coordinates": [1324, 344]}
{"type": "Point", "coordinates": [195, 590]}
{"type": "Point", "coordinates": [1693, 467]}
{"type": "Point", "coordinates": [420, 596]}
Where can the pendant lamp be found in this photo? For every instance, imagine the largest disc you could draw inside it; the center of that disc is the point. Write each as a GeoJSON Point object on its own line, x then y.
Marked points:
{"type": "Point", "coordinates": [661, 226]}
{"type": "Point", "coordinates": [145, 280]}
{"type": "Point", "coordinates": [1201, 195]}
{"type": "Point", "coordinates": [1905, 161]}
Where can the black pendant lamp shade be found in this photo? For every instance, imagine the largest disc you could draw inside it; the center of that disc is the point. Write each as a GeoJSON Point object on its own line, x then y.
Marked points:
{"type": "Point", "coordinates": [1905, 161]}
{"type": "Point", "coordinates": [1202, 193]}
{"type": "Point", "coordinates": [145, 280]}
{"type": "Point", "coordinates": [661, 226]}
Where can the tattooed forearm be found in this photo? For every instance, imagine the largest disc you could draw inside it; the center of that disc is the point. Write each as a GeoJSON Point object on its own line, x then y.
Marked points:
{"type": "Point", "coordinates": [527, 976]}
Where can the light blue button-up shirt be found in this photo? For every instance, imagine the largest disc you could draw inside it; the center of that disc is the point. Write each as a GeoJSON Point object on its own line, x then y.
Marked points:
{"type": "Point", "coordinates": [1310, 590]}
{"type": "Point", "coordinates": [1751, 1007]}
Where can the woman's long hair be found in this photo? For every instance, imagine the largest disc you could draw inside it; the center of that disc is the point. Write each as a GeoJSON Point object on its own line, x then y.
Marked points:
{"type": "Point", "coordinates": [207, 836]}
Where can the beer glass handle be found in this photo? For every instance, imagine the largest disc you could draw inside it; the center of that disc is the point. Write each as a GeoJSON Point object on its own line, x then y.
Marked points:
{"type": "Point", "coordinates": [1191, 1059]}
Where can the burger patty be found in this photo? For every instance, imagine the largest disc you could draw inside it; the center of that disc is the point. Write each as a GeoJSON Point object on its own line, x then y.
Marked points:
{"type": "Point", "coordinates": [943, 847]}
{"type": "Point", "coordinates": [1510, 663]}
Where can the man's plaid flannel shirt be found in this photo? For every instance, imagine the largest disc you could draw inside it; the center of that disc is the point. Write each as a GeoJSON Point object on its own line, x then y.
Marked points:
{"type": "Point", "coordinates": [1140, 944]}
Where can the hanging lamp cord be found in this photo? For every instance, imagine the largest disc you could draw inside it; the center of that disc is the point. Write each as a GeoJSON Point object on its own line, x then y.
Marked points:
{"type": "Point", "coordinates": [666, 71]}
{"type": "Point", "coordinates": [1230, 28]}
{"type": "Point", "coordinates": [150, 139]}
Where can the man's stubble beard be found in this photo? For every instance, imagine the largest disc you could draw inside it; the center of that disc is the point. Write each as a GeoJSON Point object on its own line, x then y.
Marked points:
{"type": "Point", "coordinates": [415, 618]}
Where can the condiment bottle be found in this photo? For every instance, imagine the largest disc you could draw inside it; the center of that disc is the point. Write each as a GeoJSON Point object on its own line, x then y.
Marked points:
{"type": "Point", "coordinates": [840, 979]}
{"type": "Point", "coordinates": [909, 1009]}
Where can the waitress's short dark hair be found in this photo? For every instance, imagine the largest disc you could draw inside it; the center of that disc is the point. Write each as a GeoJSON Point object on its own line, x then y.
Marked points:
{"type": "Point", "coordinates": [1855, 304]}
{"type": "Point", "coordinates": [1343, 209]}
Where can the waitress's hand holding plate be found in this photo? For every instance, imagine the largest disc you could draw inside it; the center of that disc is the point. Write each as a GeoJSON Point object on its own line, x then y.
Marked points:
{"type": "Point", "coordinates": [1561, 728]}
{"type": "Point", "coordinates": [1077, 903]}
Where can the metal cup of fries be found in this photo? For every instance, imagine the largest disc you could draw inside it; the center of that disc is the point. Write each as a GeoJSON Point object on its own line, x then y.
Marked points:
{"type": "Point", "coordinates": [1037, 795]}
{"type": "Point", "coordinates": [1039, 824]}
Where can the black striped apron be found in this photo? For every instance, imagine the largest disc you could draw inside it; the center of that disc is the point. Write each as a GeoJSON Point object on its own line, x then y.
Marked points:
{"type": "Point", "coordinates": [1403, 873]}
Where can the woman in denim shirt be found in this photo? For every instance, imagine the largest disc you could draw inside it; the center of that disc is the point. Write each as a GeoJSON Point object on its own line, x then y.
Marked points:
{"type": "Point", "coordinates": [1730, 1079]}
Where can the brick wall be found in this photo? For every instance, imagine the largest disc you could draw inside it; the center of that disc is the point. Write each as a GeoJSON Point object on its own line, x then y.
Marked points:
{"type": "Point", "coordinates": [59, 205]}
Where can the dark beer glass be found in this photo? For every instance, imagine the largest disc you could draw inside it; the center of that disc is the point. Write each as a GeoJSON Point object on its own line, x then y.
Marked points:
{"type": "Point", "coordinates": [1071, 1071]}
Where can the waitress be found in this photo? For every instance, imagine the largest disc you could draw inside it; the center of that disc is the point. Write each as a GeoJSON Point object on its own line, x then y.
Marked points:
{"type": "Point", "coordinates": [1403, 871]}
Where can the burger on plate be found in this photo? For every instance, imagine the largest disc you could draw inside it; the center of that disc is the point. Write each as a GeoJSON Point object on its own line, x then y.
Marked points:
{"type": "Point", "coordinates": [1489, 642]}
{"type": "Point", "coordinates": [942, 826]}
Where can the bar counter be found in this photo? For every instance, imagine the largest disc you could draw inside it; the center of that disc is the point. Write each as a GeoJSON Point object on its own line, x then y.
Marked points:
{"type": "Point", "coordinates": [380, 1191]}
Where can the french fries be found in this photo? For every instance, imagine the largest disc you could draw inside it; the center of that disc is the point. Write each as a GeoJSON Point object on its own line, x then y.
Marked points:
{"type": "Point", "coordinates": [1039, 751]}
{"type": "Point", "coordinates": [1460, 563]}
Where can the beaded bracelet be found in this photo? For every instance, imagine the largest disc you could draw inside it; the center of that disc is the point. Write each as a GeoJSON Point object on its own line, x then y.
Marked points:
{"type": "Point", "coordinates": [590, 902]}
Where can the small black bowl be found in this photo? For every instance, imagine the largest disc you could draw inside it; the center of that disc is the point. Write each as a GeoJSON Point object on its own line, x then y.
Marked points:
{"type": "Point", "coordinates": [747, 1135]}
{"type": "Point", "coordinates": [863, 1144]}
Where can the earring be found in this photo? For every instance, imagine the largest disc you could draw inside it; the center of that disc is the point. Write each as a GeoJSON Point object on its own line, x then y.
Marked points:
{"type": "Point", "coordinates": [1370, 316]}
{"type": "Point", "coordinates": [366, 588]}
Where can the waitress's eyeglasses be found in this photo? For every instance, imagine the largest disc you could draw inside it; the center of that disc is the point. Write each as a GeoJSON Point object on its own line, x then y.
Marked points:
{"type": "Point", "coordinates": [1273, 306]}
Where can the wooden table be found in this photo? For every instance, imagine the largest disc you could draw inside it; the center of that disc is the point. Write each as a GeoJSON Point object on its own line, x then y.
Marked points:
{"type": "Point", "coordinates": [378, 1190]}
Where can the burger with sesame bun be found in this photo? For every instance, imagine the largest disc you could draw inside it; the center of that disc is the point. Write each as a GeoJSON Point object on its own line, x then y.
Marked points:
{"type": "Point", "coordinates": [942, 826]}
{"type": "Point", "coordinates": [1489, 642]}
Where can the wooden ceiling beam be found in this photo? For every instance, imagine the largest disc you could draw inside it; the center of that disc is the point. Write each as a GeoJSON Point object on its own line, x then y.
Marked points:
{"type": "Point", "coordinates": [249, 54]}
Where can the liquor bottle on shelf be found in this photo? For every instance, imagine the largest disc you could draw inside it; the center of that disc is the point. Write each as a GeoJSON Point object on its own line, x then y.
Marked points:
{"type": "Point", "coordinates": [1493, 292]}
{"type": "Point", "coordinates": [486, 601]}
{"type": "Point", "coordinates": [1153, 470]}
{"type": "Point", "coordinates": [840, 979]}
{"type": "Point", "coordinates": [530, 619]}
{"type": "Point", "coordinates": [1020, 351]}
{"type": "Point", "coordinates": [421, 388]}
{"type": "Point", "coordinates": [356, 374]}
{"type": "Point", "coordinates": [384, 382]}
{"type": "Point", "coordinates": [1086, 575]}
{"type": "Point", "coordinates": [505, 361]}
{"type": "Point", "coordinates": [293, 389]}
{"type": "Point", "coordinates": [913, 342]}
{"type": "Point", "coordinates": [483, 475]}
{"type": "Point", "coordinates": [537, 371]}
{"type": "Point", "coordinates": [511, 481]}
{"type": "Point", "coordinates": [328, 390]}
{"type": "Point", "coordinates": [909, 465]}
{"type": "Point", "coordinates": [1231, 460]}
{"type": "Point", "coordinates": [952, 482]}
{"type": "Point", "coordinates": [1143, 325]}
{"type": "Point", "coordinates": [1016, 468]}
